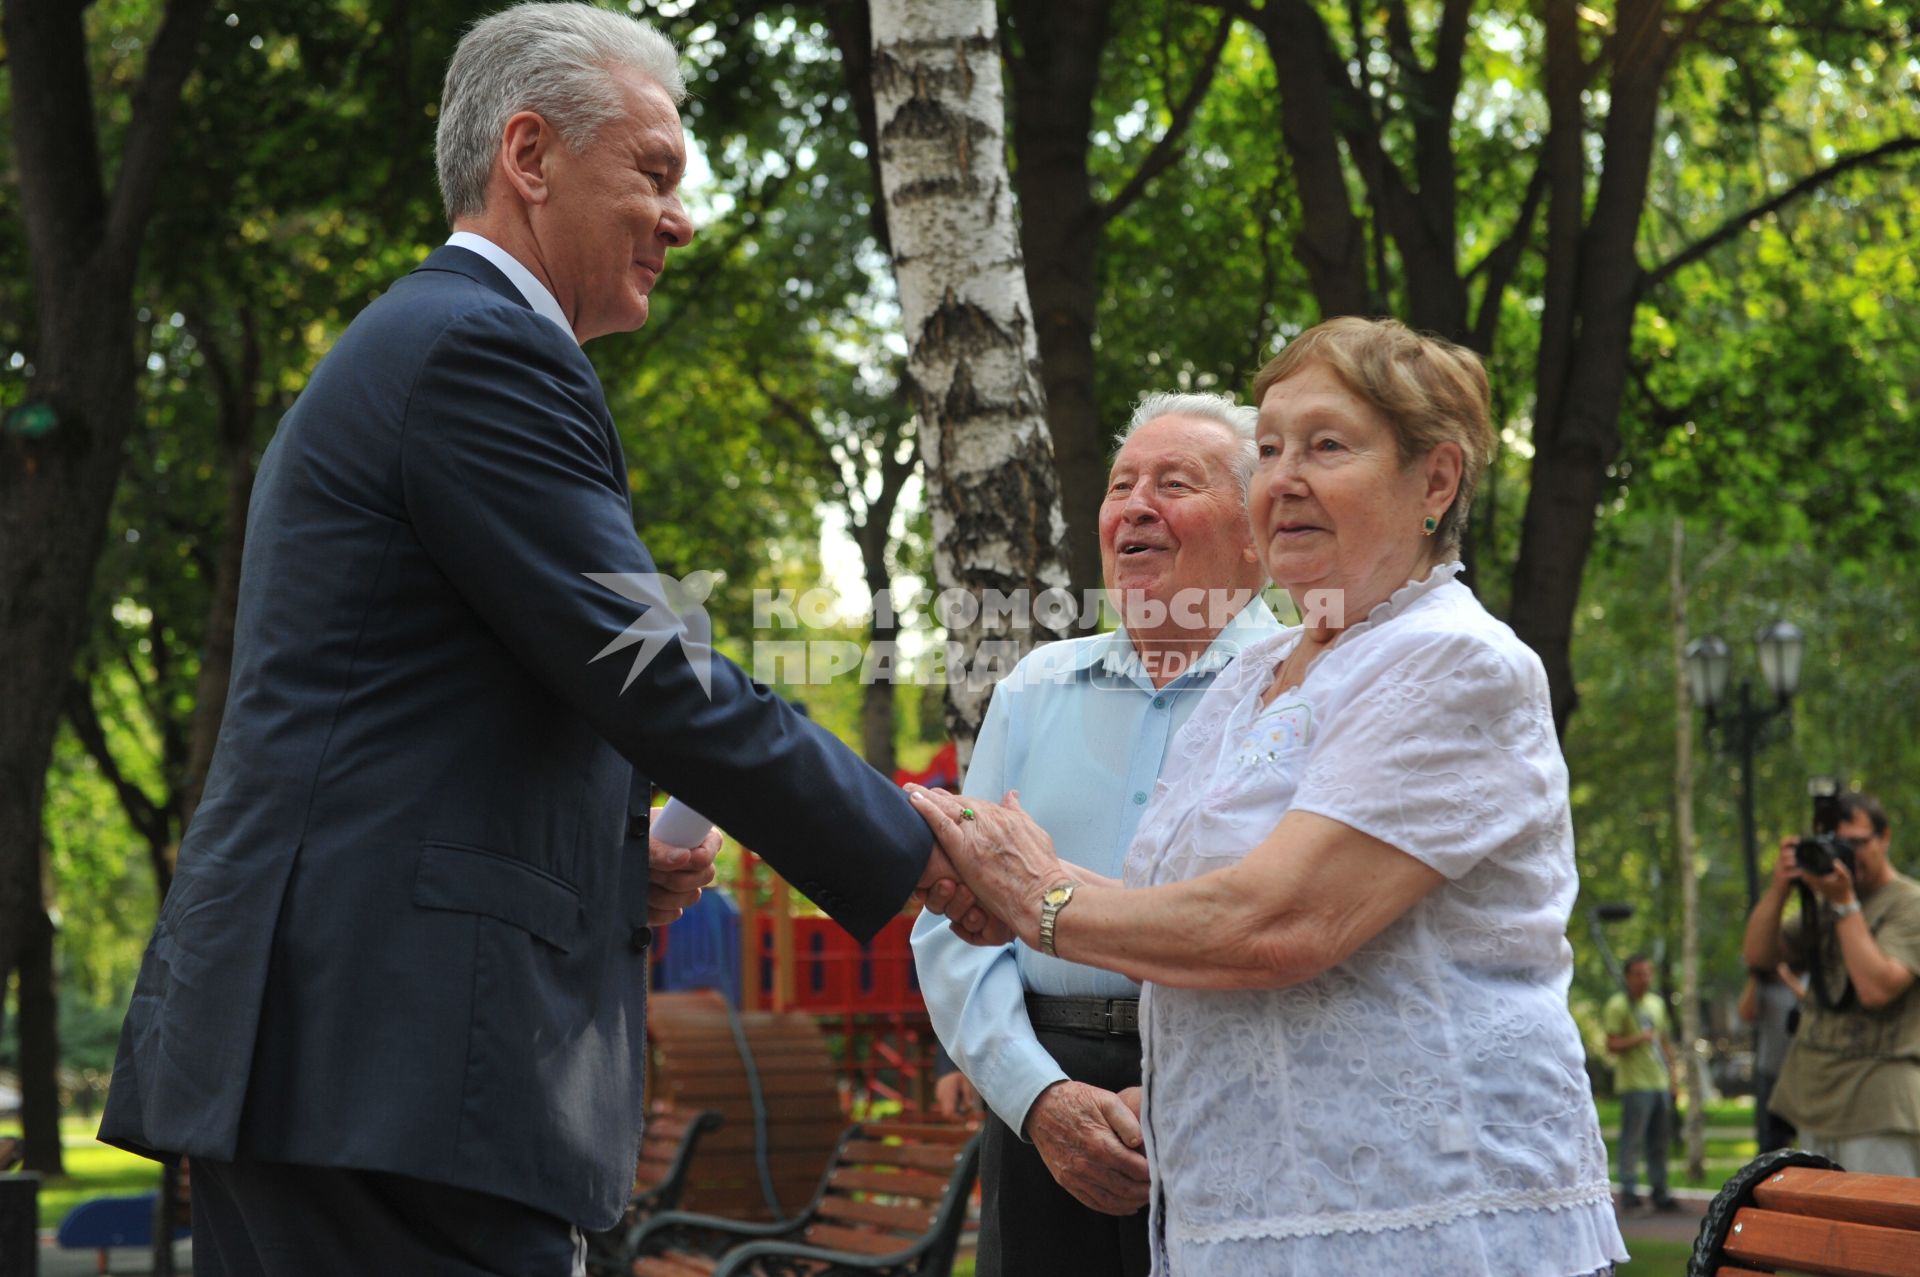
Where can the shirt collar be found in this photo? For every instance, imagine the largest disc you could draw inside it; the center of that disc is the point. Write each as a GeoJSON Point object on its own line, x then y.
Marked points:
{"type": "Point", "coordinates": [523, 279]}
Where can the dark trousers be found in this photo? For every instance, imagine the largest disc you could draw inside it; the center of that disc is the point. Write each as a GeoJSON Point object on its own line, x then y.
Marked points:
{"type": "Point", "coordinates": [1645, 1119]}
{"type": "Point", "coordinates": [1770, 1129]}
{"type": "Point", "coordinates": [1029, 1225]}
{"type": "Point", "coordinates": [270, 1219]}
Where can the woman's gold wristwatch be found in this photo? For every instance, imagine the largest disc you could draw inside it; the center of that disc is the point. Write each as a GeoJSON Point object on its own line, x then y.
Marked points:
{"type": "Point", "coordinates": [1050, 906]}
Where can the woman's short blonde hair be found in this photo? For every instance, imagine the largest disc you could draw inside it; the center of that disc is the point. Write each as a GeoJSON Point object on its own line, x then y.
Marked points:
{"type": "Point", "coordinates": [1430, 390]}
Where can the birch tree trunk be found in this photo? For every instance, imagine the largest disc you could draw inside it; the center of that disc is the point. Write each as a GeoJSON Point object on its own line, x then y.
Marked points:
{"type": "Point", "coordinates": [1683, 837]}
{"type": "Point", "coordinates": [973, 359]}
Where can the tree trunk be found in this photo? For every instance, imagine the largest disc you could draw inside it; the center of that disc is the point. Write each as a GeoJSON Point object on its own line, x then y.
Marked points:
{"type": "Point", "coordinates": [1589, 310]}
{"type": "Point", "coordinates": [1055, 70]}
{"type": "Point", "coordinates": [972, 355]}
{"type": "Point", "coordinates": [875, 537]}
{"type": "Point", "coordinates": [60, 464]}
{"type": "Point", "coordinates": [1684, 847]}
{"type": "Point", "coordinates": [40, 1047]}
{"type": "Point", "coordinates": [1332, 240]}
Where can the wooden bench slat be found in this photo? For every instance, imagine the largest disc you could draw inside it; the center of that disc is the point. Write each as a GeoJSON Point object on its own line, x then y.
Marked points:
{"type": "Point", "coordinates": [912, 1220]}
{"type": "Point", "coordinates": [900, 1183]}
{"type": "Point", "coordinates": [1889, 1201]}
{"type": "Point", "coordinates": [1828, 1247]}
{"type": "Point", "coordinates": [1724, 1271]}
{"type": "Point", "coordinates": [677, 1264]}
{"type": "Point", "coordinates": [919, 1156]}
{"type": "Point", "coordinates": [834, 1237]}
{"type": "Point", "coordinates": [927, 1132]}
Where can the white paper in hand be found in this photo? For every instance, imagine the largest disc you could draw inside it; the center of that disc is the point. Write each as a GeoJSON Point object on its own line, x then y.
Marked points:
{"type": "Point", "coordinates": [679, 825]}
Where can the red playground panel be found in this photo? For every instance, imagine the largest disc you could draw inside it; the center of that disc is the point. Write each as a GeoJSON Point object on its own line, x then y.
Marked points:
{"type": "Point", "coordinates": [834, 974]}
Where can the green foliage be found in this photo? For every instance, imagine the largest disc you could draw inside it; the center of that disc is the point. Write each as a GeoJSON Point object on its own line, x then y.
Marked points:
{"type": "Point", "coordinates": [1775, 385]}
{"type": "Point", "coordinates": [1849, 719]}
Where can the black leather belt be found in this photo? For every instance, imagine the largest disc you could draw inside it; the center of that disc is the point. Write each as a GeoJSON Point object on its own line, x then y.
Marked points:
{"type": "Point", "coordinates": [1117, 1016]}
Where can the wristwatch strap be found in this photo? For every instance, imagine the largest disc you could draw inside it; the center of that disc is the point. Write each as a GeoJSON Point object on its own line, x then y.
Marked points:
{"type": "Point", "coordinates": [1057, 898]}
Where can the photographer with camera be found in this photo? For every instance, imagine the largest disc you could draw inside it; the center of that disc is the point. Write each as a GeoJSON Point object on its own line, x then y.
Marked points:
{"type": "Point", "coordinates": [1851, 1081]}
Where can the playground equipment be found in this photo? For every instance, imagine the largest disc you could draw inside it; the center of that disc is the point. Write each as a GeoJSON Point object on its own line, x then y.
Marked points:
{"type": "Point", "coordinates": [767, 954]}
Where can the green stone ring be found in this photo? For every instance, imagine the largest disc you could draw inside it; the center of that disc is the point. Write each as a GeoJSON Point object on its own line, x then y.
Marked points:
{"type": "Point", "coordinates": [966, 813]}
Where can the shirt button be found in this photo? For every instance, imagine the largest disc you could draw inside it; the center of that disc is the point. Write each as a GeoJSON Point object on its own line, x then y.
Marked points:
{"type": "Point", "coordinates": [1139, 796]}
{"type": "Point", "coordinates": [1159, 702]}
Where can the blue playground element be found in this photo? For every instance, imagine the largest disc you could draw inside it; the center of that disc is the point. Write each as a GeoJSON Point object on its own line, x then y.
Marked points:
{"type": "Point", "coordinates": [701, 949]}
{"type": "Point", "coordinates": [106, 1222]}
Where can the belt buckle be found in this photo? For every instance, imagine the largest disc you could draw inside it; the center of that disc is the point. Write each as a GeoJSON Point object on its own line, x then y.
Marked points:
{"type": "Point", "coordinates": [1107, 1019]}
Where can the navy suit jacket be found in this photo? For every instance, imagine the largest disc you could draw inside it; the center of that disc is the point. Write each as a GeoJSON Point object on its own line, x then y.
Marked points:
{"type": "Point", "coordinates": [408, 928]}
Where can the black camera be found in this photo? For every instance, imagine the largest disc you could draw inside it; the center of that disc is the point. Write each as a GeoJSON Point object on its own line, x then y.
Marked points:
{"type": "Point", "coordinates": [1817, 853]}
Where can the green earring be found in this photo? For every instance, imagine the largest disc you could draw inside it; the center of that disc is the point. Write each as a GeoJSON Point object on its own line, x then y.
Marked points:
{"type": "Point", "coordinates": [1428, 524]}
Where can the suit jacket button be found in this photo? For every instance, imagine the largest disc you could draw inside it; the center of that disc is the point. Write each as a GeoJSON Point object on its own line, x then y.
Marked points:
{"type": "Point", "coordinates": [637, 826]}
{"type": "Point", "coordinates": [641, 940]}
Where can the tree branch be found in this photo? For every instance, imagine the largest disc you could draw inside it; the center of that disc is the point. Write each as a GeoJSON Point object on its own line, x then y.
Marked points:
{"type": "Point", "coordinates": [1166, 151]}
{"type": "Point", "coordinates": [1694, 19]}
{"type": "Point", "coordinates": [143, 813]}
{"type": "Point", "coordinates": [1812, 182]}
{"type": "Point", "coordinates": [1504, 258]}
{"type": "Point", "coordinates": [156, 101]}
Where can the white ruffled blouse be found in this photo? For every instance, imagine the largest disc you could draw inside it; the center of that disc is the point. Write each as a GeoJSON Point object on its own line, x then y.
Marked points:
{"type": "Point", "coordinates": [1423, 1107]}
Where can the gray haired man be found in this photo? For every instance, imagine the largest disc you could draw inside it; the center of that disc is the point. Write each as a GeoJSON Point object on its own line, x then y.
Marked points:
{"type": "Point", "coordinates": [394, 1006]}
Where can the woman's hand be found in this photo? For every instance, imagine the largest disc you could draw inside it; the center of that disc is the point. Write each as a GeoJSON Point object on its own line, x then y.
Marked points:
{"type": "Point", "coordinates": [1006, 859]}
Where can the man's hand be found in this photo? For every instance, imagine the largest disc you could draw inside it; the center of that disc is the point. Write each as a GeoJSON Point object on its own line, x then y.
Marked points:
{"type": "Point", "coordinates": [1090, 1140]}
{"type": "Point", "coordinates": [1836, 888]}
{"type": "Point", "coordinates": [676, 875]}
{"type": "Point", "coordinates": [954, 1096]}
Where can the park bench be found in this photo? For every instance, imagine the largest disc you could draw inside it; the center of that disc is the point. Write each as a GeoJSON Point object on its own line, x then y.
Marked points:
{"type": "Point", "coordinates": [1795, 1212]}
{"type": "Point", "coordinates": [893, 1201]}
{"type": "Point", "coordinates": [108, 1222]}
{"type": "Point", "coordinates": [666, 1154]}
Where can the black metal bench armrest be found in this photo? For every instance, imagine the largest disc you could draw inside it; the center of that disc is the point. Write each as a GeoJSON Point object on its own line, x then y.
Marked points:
{"type": "Point", "coordinates": [704, 1234]}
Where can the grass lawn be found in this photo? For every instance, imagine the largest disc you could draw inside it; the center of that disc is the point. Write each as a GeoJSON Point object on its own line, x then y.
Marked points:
{"type": "Point", "coordinates": [1657, 1259]}
{"type": "Point", "coordinates": [1730, 1144]}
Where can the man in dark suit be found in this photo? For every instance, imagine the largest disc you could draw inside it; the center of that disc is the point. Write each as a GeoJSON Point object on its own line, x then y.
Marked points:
{"type": "Point", "coordinates": [394, 1005]}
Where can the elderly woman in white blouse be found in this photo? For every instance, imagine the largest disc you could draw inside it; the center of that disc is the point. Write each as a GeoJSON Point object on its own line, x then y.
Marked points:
{"type": "Point", "coordinates": [1349, 896]}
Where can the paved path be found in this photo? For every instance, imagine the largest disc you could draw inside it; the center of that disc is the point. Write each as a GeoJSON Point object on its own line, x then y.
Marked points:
{"type": "Point", "coordinates": [55, 1262]}
{"type": "Point", "coordinates": [1669, 1226]}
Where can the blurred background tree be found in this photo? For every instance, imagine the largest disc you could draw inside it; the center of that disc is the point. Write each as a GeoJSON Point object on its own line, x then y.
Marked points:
{"type": "Point", "coordinates": [1683, 237]}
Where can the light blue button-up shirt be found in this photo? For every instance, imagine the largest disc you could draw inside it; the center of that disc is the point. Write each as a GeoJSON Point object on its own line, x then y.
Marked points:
{"type": "Point", "coordinates": [1081, 731]}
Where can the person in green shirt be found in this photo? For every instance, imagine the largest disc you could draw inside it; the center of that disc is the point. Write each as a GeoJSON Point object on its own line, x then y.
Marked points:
{"type": "Point", "coordinates": [1639, 1039]}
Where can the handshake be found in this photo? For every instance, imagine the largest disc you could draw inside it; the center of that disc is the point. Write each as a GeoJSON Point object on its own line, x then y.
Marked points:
{"type": "Point", "coordinates": [990, 868]}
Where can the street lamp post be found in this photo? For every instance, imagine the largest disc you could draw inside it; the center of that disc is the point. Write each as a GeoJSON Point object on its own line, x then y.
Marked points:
{"type": "Point", "coordinates": [1743, 725]}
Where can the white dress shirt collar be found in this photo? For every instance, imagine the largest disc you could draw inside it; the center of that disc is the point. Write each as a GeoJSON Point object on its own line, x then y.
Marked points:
{"type": "Point", "coordinates": [523, 279]}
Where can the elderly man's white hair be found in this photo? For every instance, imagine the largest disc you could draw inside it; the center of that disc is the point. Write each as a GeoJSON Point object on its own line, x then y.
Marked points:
{"type": "Point", "coordinates": [552, 59]}
{"type": "Point", "coordinates": [1241, 419]}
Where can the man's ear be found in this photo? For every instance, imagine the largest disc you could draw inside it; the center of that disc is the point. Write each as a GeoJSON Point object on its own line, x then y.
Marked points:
{"type": "Point", "coordinates": [526, 146]}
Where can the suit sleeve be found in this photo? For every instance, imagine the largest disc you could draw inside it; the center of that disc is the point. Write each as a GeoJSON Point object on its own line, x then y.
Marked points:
{"type": "Point", "coordinates": [974, 994]}
{"type": "Point", "coordinates": [512, 483]}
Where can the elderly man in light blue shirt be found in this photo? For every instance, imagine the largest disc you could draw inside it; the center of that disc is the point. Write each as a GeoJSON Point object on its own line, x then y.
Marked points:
{"type": "Point", "coordinates": [1081, 728]}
